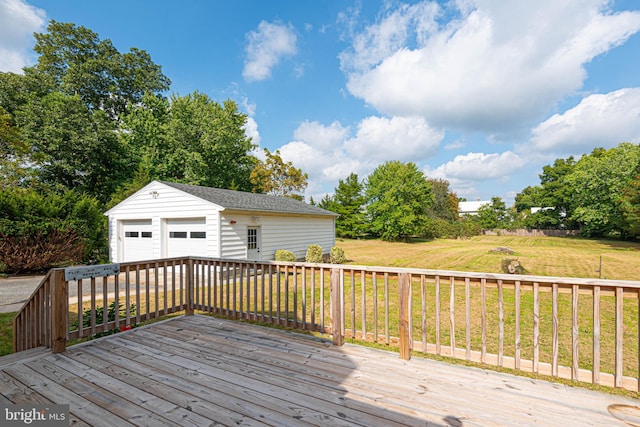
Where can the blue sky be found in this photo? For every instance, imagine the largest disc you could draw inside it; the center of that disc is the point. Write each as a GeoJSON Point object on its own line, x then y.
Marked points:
{"type": "Point", "coordinates": [482, 93]}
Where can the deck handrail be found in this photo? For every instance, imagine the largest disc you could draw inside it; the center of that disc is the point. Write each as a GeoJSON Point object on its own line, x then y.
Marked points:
{"type": "Point", "coordinates": [582, 329]}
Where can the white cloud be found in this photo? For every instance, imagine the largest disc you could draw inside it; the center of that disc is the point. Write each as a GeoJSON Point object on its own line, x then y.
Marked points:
{"type": "Point", "coordinates": [498, 66]}
{"type": "Point", "coordinates": [329, 153]}
{"type": "Point", "coordinates": [320, 136]}
{"type": "Point", "coordinates": [480, 166]}
{"type": "Point", "coordinates": [601, 120]}
{"type": "Point", "coordinates": [251, 130]}
{"type": "Point", "coordinates": [397, 138]}
{"type": "Point", "coordinates": [266, 46]}
{"type": "Point", "coordinates": [18, 22]}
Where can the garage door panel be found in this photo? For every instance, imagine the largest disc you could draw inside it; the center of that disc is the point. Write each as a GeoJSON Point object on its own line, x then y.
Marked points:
{"type": "Point", "coordinates": [186, 237]}
{"type": "Point", "coordinates": [137, 242]}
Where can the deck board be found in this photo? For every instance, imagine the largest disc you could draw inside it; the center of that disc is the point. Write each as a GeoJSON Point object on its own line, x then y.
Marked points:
{"type": "Point", "coordinates": [199, 370]}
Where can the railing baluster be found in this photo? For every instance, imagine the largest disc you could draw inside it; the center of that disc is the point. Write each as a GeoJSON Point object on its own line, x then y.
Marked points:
{"type": "Point", "coordinates": [386, 309]}
{"type": "Point", "coordinates": [353, 304]}
{"type": "Point", "coordinates": [304, 298]}
{"type": "Point", "coordinates": [423, 289]}
{"type": "Point", "coordinates": [483, 316]}
{"type": "Point", "coordinates": [554, 355]}
{"type": "Point", "coordinates": [500, 323]}
{"type": "Point", "coordinates": [536, 327]}
{"type": "Point", "coordinates": [619, 336]}
{"type": "Point", "coordinates": [595, 375]}
{"type": "Point", "coordinates": [467, 310]}
{"type": "Point", "coordinates": [438, 343]}
{"type": "Point", "coordinates": [363, 309]}
{"type": "Point", "coordinates": [517, 325]}
{"type": "Point", "coordinates": [375, 306]}
{"type": "Point", "coordinates": [574, 335]}
{"type": "Point", "coordinates": [452, 314]}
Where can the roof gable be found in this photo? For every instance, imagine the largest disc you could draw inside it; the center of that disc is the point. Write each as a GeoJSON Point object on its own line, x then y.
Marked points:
{"type": "Point", "coordinates": [244, 201]}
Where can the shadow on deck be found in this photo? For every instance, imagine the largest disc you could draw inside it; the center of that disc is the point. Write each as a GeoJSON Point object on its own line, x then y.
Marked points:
{"type": "Point", "coordinates": [200, 371]}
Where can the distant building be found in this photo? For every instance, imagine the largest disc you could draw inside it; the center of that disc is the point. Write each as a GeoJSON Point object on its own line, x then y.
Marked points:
{"type": "Point", "coordinates": [471, 208]}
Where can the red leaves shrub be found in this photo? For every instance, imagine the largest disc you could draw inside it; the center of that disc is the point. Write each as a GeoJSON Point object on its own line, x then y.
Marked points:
{"type": "Point", "coordinates": [40, 250]}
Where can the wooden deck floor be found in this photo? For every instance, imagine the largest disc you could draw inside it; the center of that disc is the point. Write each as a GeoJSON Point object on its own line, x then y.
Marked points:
{"type": "Point", "coordinates": [204, 371]}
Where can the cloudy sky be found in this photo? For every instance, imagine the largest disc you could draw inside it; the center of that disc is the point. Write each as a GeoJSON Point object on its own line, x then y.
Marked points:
{"type": "Point", "coordinates": [482, 93]}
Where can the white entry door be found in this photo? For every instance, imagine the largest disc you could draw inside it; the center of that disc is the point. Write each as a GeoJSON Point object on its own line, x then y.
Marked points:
{"type": "Point", "coordinates": [253, 243]}
{"type": "Point", "coordinates": [186, 237]}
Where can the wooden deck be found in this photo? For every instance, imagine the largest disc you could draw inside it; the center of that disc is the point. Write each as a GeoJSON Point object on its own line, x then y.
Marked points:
{"type": "Point", "coordinates": [202, 371]}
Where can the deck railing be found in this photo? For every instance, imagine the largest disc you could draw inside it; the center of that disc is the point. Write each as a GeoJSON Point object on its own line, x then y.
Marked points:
{"type": "Point", "coordinates": [581, 329]}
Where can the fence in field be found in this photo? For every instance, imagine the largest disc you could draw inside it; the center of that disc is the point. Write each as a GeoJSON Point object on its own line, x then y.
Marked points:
{"type": "Point", "coordinates": [581, 329]}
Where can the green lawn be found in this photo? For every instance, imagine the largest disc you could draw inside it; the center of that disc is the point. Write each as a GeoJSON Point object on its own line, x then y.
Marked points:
{"type": "Point", "coordinates": [6, 333]}
{"type": "Point", "coordinates": [544, 256]}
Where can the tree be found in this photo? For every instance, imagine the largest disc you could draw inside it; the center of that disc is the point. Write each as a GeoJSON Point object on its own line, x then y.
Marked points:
{"type": "Point", "coordinates": [445, 203]}
{"type": "Point", "coordinates": [274, 176]}
{"type": "Point", "coordinates": [398, 198]}
{"type": "Point", "coordinates": [74, 60]}
{"type": "Point", "coordinates": [190, 139]}
{"type": "Point", "coordinates": [630, 205]}
{"type": "Point", "coordinates": [598, 182]}
{"type": "Point", "coordinates": [71, 146]}
{"type": "Point", "coordinates": [493, 215]}
{"type": "Point", "coordinates": [554, 195]}
{"type": "Point", "coordinates": [347, 201]}
{"type": "Point", "coordinates": [67, 109]}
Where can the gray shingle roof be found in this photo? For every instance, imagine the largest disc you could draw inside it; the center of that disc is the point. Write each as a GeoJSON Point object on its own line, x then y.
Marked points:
{"type": "Point", "coordinates": [240, 200]}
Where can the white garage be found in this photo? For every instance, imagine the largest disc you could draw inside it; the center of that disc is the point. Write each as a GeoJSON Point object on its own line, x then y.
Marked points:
{"type": "Point", "coordinates": [166, 219]}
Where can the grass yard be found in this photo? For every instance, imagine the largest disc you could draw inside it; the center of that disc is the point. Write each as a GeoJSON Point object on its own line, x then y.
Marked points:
{"type": "Point", "coordinates": [6, 333]}
{"type": "Point", "coordinates": [543, 256]}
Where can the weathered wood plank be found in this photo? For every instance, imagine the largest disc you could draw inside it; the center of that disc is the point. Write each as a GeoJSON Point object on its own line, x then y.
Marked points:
{"type": "Point", "coordinates": [79, 406]}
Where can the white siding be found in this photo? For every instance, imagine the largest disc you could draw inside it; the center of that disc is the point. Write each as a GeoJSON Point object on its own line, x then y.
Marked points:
{"type": "Point", "coordinates": [292, 233]}
{"type": "Point", "coordinates": [168, 203]}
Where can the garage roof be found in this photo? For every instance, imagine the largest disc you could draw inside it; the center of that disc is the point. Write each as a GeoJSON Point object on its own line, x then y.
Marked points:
{"type": "Point", "coordinates": [240, 200]}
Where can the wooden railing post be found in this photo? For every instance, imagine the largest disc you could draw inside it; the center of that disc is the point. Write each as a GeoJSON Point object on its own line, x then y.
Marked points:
{"type": "Point", "coordinates": [59, 309]}
{"type": "Point", "coordinates": [336, 307]}
{"type": "Point", "coordinates": [189, 283]}
{"type": "Point", "coordinates": [403, 316]}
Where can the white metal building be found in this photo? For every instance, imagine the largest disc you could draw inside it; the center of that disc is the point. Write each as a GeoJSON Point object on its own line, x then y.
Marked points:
{"type": "Point", "coordinates": [166, 219]}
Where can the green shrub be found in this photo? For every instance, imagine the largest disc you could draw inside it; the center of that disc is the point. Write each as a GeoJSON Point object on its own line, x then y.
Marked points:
{"type": "Point", "coordinates": [284, 255]}
{"type": "Point", "coordinates": [39, 225]}
{"type": "Point", "coordinates": [336, 255]}
{"type": "Point", "coordinates": [314, 254]}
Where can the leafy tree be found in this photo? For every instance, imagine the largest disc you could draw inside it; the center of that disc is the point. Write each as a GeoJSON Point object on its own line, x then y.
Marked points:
{"type": "Point", "coordinates": [493, 215]}
{"type": "Point", "coordinates": [67, 109]}
{"type": "Point", "coordinates": [554, 195]}
{"type": "Point", "coordinates": [445, 203]}
{"type": "Point", "coordinates": [398, 198]}
{"type": "Point", "coordinates": [73, 147]}
{"type": "Point", "coordinates": [190, 139]}
{"type": "Point", "coordinates": [630, 205]}
{"type": "Point", "coordinates": [598, 182]}
{"type": "Point", "coordinates": [274, 176]}
{"type": "Point", "coordinates": [74, 60]}
{"type": "Point", "coordinates": [347, 201]}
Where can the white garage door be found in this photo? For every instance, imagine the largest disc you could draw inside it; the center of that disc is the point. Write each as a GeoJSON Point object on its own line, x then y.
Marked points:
{"type": "Point", "coordinates": [186, 237]}
{"type": "Point", "coordinates": [137, 240]}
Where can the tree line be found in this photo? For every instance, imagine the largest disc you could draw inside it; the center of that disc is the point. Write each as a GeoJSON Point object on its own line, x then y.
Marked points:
{"type": "Point", "coordinates": [597, 195]}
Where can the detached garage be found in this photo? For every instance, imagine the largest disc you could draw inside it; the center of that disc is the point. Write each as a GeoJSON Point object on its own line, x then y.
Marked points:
{"type": "Point", "coordinates": [166, 219]}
